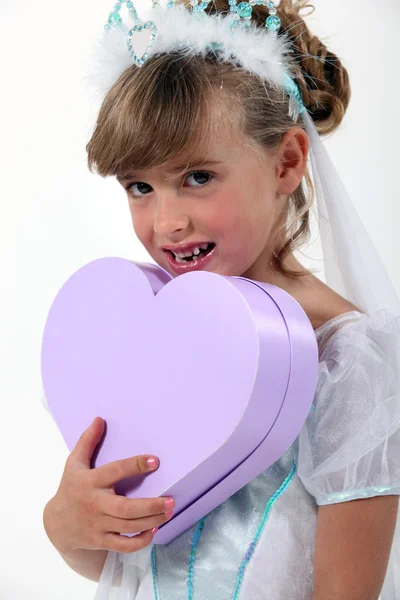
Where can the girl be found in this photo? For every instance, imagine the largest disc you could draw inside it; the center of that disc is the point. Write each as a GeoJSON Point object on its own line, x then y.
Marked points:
{"type": "Point", "coordinates": [213, 156]}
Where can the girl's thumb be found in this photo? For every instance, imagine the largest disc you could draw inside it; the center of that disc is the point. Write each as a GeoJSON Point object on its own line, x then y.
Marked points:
{"type": "Point", "coordinates": [86, 445]}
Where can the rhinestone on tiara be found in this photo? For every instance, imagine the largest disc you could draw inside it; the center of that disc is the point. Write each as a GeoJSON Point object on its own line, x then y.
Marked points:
{"type": "Point", "coordinates": [115, 17]}
{"type": "Point", "coordinates": [241, 13]}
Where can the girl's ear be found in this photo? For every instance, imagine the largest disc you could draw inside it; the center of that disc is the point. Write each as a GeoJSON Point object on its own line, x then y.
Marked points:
{"type": "Point", "coordinates": [291, 160]}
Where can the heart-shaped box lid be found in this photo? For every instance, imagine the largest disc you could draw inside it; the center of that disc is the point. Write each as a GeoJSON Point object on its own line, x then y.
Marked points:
{"type": "Point", "coordinates": [194, 369]}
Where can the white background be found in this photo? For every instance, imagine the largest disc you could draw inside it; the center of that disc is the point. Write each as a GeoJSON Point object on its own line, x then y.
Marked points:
{"type": "Point", "coordinates": [55, 217]}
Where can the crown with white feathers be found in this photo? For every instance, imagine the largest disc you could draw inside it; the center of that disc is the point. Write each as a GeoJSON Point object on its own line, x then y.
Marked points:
{"type": "Point", "coordinates": [173, 27]}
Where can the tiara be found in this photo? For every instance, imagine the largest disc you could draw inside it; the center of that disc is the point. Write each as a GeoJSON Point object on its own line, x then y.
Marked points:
{"type": "Point", "coordinates": [173, 27]}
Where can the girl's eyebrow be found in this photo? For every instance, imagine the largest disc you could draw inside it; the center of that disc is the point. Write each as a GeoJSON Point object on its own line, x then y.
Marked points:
{"type": "Point", "coordinates": [179, 169]}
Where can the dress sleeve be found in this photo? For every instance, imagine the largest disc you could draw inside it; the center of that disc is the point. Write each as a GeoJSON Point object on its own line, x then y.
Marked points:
{"type": "Point", "coordinates": [349, 447]}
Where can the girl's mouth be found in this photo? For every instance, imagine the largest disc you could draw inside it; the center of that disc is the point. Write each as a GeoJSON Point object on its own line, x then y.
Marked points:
{"type": "Point", "coordinates": [191, 263]}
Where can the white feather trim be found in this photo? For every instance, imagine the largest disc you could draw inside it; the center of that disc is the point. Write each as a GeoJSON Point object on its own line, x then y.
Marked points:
{"type": "Point", "coordinates": [109, 59]}
{"type": "Point", "coordinates": [258, 51]}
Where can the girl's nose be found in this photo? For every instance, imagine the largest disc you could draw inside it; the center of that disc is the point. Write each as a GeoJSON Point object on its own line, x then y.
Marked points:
{"type": "Point", "coordinates": [170, 216]}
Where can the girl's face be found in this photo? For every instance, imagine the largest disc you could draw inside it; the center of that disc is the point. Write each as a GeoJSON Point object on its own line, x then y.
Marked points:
{"type": "Point", "coordinates": [229, 197]}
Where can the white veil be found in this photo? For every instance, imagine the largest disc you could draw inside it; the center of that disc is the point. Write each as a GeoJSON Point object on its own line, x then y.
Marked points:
{"type": "Point", "coordinates": [353, 267]}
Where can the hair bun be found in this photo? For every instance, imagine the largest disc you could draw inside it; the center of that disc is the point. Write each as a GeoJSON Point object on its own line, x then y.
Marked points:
{"type": "Point", "coordinates": [323, 80]}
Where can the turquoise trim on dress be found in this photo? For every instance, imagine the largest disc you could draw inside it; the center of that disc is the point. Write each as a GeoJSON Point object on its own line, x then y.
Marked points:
{"type": "Point", "coordinates": [260, 529]}
{"type": "Point", "coordinates": [154, 572]}
{"type": "Point", "coordinates": [195, 541]}
{"type": "Point", "coordinates": [368, 492]}
{"type": "Point", "coordinates": [243, 559]}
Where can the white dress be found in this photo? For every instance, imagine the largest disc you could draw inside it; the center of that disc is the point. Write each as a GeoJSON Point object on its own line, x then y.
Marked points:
{"type": "Point", "coordinates": [259, 544]}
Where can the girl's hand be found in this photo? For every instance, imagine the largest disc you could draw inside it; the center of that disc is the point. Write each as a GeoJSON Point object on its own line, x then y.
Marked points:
{"type": "Point", "coordinates": [86, 513]}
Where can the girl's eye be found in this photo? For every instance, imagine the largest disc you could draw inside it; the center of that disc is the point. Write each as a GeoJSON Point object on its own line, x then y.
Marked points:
{"type": "Point", "coordinates": [143, 188]}
{"type": "Point", "coordinates": [202, 174]}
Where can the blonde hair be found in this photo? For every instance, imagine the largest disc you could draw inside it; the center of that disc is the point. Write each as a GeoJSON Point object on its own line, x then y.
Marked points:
{"type": "Point", "coordinates": [163, 111]}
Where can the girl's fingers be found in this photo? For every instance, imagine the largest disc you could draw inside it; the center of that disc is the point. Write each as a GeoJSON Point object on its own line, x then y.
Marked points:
{"type": "Point", "coordinates": [132, 508]}
{"type": "Point", "coordinates": [81, 455]}
{"type": "Point", "coordinates": [110, 473]}
{"type": "Point", "coordinates": [112, 525]}
{"type": "Point", "coordinates": [122, 543]}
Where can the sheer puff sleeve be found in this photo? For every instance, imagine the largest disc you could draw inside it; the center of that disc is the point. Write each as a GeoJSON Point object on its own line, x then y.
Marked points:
{"type": "Point", "coordinates": [349, 447]}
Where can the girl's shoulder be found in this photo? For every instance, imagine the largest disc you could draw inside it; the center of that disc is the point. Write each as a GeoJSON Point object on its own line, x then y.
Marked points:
{"type": "Point", "coordinates": [321, 304]}
{"type": "Point", "coordinates": [341, 325]}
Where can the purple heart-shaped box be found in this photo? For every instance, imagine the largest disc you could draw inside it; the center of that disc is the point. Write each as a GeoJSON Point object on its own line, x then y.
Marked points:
{"type": "Point", "coordinates": [215, 375]}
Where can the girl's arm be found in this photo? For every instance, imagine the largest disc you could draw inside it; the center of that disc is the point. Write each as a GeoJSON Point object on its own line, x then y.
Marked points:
{"type": "Point", "coordinates": [88, 563]}
{"type": "Point", "coordinates": [353, 543]}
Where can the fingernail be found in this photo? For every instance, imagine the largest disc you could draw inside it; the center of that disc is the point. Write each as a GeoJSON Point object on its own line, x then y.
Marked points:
{"type": "Point", "coordinates": [154, 530]}
{"type": "Point", "coordinates": [169, 514]}
{"type": "Point", "coordinates": [169, 503]}
{"type": "Point", "coordinates": [152, 462]}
